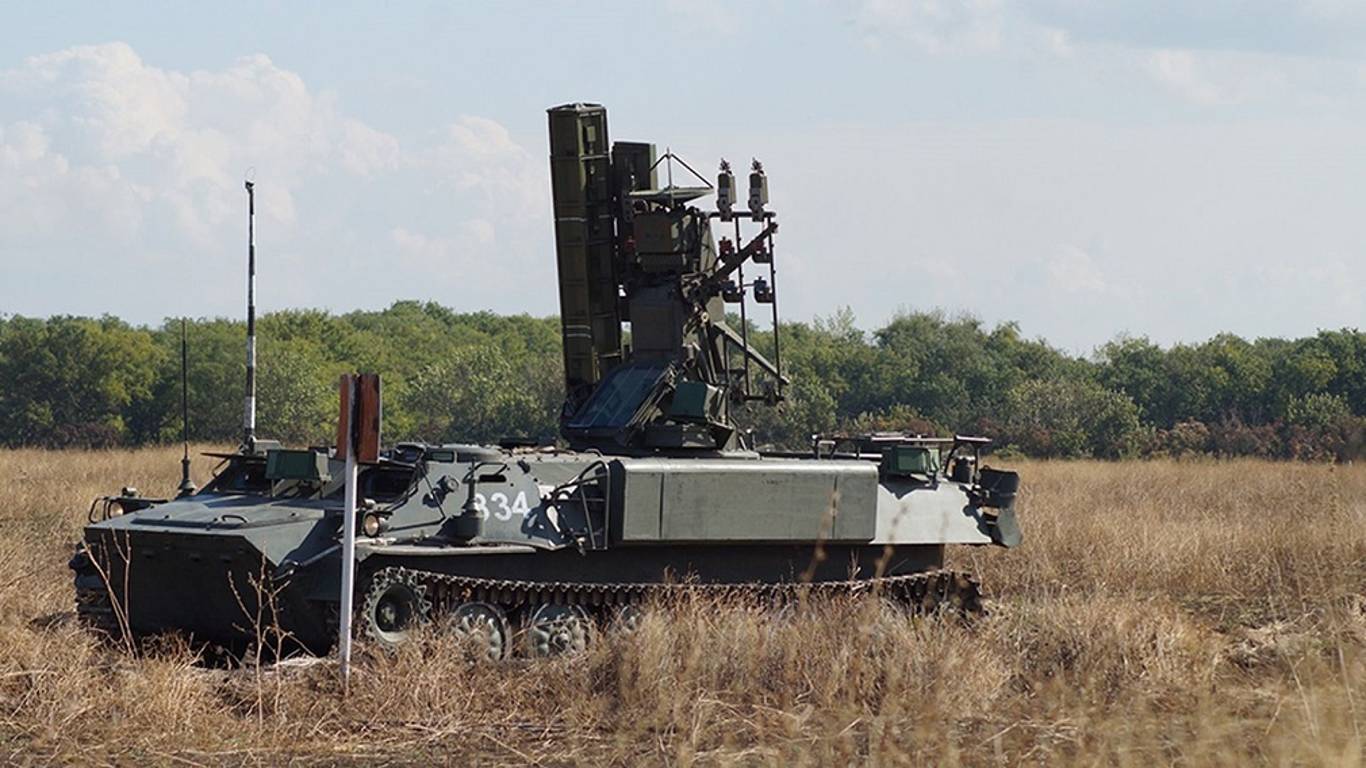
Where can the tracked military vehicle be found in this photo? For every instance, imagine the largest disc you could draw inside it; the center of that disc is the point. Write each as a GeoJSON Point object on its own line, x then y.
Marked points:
{"type": "Point", "coordinates": [653, 486]}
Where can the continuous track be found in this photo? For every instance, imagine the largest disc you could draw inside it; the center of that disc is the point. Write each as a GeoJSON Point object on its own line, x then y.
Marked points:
{"type": "Point", "coordinates": [437, 594]}
{"type": "Point", "coordinates": [93, 606]}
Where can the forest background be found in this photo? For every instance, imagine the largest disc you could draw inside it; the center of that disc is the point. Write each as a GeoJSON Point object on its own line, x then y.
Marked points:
{"type": "Point", "coordinates": [449, 376]}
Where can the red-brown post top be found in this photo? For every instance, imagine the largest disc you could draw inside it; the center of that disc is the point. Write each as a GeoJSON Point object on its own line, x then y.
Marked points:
{"type": "Point", "coordinates": [361, 416]}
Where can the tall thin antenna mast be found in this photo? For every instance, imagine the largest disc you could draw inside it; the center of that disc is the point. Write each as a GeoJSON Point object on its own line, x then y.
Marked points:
{"type": "Point", "coordinates": [186, 487]}
{"type": "Point", "coordinates": [249, 407]}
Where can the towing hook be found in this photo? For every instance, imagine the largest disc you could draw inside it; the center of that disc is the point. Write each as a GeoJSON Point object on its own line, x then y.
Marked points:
{"type": "Point", "coordinates": [80, 560]}
{"type": "Point", "coordinates": [284, 572]}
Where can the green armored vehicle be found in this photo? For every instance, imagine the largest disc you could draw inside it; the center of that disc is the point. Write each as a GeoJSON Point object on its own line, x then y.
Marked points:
{"type": "Point", "coordinates": [654, 485]}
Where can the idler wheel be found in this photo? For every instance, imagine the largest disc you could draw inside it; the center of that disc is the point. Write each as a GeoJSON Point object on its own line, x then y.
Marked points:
{"type": "Point", "coordinates": [395, 604]}
{"type": "Point", "coordinates": [941, 591]}
{"type": "Point", "coordinates": [555, 630]}
{"type": "Point", "coordinates": [483, 629]}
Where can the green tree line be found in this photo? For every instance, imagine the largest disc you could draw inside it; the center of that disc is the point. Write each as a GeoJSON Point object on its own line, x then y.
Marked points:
{"type": "Point", "coordinates": [74, 381]}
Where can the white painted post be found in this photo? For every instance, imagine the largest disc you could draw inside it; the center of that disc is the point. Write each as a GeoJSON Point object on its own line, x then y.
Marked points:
{"type": "Point", "coordinates": [348, 553]}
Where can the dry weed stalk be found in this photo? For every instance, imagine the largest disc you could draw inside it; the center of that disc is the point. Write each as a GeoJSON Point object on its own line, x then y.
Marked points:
{"type": "Point", "coordinates": [269, 641]}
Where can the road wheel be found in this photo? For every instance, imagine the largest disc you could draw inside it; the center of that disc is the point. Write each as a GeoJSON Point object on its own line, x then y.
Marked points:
{"type": "Point", "coordinates": [555, 630]}
{"type": "Point", "coordinates": [483, 629]}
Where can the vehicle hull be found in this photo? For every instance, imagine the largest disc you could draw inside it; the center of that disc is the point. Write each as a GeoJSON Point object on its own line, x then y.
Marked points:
{"type": "Point", "coordinates": [221, 590]}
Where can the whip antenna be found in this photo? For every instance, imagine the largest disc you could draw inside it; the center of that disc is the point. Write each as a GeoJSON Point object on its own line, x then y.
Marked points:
{"type": "Point", "coordinates": [187, 488]}
{"type": "Point", "coordinates": [249, 406]}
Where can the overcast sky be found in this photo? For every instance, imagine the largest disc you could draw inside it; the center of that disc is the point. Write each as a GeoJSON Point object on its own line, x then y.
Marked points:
{"type": "Point", "coordinates": [1169, 169]}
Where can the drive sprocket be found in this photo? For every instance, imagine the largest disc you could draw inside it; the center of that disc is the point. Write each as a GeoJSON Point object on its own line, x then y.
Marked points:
{"type": "Point", "coordinates": [395, 603]}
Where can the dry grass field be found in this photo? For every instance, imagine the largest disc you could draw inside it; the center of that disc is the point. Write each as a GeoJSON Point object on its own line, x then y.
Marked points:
{"type": "Point", "coordinates": [1203, 613]}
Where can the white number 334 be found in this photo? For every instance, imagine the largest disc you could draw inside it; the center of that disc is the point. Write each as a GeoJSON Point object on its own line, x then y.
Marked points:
{"type": "Point", "coordinates": [498, 505]}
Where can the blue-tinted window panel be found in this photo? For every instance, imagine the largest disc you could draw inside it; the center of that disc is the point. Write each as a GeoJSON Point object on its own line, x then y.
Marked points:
{"type": "Point", "coordinates": [619, 396]}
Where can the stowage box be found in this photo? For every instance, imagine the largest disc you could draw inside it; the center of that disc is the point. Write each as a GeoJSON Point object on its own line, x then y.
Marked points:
{"type": "Point", "coordinates": [739, 500]}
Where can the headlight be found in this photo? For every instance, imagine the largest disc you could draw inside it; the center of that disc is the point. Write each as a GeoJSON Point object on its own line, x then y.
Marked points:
{"type": "Point", "coordinates": [373, 524]}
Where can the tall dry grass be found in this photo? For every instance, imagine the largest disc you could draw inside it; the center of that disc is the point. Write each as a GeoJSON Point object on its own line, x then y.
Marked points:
{"type": "Point", "coordinates": [1196, 613]}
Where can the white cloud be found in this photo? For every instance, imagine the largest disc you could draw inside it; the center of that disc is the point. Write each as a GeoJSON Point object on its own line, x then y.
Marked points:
{"type": "Point", "coordinates": [935, 26]}
{"type": "Point", "coordinates": [1313, 28]}
{"type": "Point", "coordinates": [182, 141]}
{"type": "Point", "coordinates": [1079, 229]}
{"type": "Point", "coordinates": [962, 28]}
{"type": "Point", "coordinates": [118, 104]}
{"type": "Point", "coordinates": [479, 230]}
{"type": "Point", "coordinates": [479, 155]}
{"type": "Point", "coordinates": [1072, 270]}
{"type": "Point", "coordinates": [1206, 54]}
{"type": "Point", "coordinates": [427, 251]}
{"type": "Point", "coordinates": [111, 160]}
{"type": "Point", "coordinates": [417, 248]}
{"type": "Point", "coordinates": [714, 18]}
{"type": "Point", "coordinates": [1057, 41]}
{"type": "Point", "coordinates": [365, 150]}
{"type": "Point", "coordinates": [45, 194]}
{"type": "Point", "coordinates": [1217, 79]}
